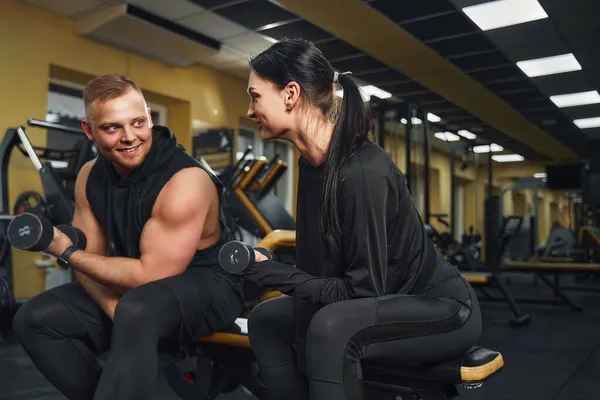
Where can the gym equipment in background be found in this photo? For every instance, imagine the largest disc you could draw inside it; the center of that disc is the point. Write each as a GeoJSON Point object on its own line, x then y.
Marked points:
{"type": "Point", "coordinates": [59, 196]}
{"type": "Point", "coordinates": [249, 201]}
{"type": "Point", "coordinates": [486, 275]}
{"type": "Point", "coordinates": [526, 244]}
{"type": "Point", "coordinates": [58, 200]}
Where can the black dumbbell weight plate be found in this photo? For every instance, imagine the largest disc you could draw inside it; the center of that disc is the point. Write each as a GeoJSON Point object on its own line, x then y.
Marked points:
{"type": "Point", "coordinates": [29, 232]}
{"type": "Point", "coordinates": [235, 256]}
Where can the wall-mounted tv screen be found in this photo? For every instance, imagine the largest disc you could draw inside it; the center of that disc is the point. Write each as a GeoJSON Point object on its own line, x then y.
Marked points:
{"type": "Point", "coordinates": [564, 177]}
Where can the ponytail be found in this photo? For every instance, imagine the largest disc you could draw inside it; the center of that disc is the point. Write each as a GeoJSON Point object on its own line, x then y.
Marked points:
{"type": "Point", "coordinates": [352, 128]}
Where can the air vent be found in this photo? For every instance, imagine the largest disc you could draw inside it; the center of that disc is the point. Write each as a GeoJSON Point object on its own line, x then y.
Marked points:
{"type": "Point", "coordinates": [133, 29]}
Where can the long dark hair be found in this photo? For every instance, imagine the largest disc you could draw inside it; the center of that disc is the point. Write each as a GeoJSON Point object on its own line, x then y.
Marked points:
{"type": "Point", "coordinates": [300, 61]}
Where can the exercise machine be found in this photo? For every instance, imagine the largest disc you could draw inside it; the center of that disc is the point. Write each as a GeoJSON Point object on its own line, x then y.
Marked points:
{"type": "Point", "coordinates": [489, 275]}
{"type": "Point", "coordinates": [526, 244]}
{"type": "Point", "coordinates": [58, 201]}
{"type": "Point", "coordinates": [58, 183]}
{"type": "Point", "coordinates": [249, 200]}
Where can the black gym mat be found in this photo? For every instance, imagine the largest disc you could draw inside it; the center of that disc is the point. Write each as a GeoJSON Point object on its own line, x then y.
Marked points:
{"type": "Point", "coordinates": [556, 357]}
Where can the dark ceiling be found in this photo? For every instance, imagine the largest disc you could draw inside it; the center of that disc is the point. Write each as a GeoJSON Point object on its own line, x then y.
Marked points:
{"type": "Point", "coordinates": [487, 57]}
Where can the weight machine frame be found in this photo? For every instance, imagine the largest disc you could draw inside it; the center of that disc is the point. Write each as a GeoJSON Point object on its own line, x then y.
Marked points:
{"type": "Point", "coordinates": [535, 184]}
{"type": "Point", "coordinates": [17, 138]}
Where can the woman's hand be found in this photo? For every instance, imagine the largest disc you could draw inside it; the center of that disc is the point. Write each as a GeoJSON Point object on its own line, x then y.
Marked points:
{"type": "Point", "coordinates": [259, 257]}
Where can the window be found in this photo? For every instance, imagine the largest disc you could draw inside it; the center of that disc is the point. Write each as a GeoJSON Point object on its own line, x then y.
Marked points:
{"type": "Point", "coordinates": [65, 107]}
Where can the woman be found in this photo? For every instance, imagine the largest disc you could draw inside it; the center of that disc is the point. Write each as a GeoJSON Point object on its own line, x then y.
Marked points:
{"type": "Point", "coordinates": [358, 238]}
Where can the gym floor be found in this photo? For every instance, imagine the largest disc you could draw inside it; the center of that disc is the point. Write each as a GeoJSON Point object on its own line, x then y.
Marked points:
{"type": "Point", "coordinates": [556, 357]}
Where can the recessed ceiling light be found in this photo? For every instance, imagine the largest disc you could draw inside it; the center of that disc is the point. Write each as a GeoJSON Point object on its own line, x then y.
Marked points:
{"type": "Point", "coordinates": [403, 121]}
{"type": "Point", "coordinates": [447, 136]}
{"type": "Point", "coordinates": [270, 39]}
{"type": "Point", "coordinates": [501, 13]}
{"type": "Point", "coordinates": [467, 135]}
{"type": "Point", "coordinates": [508, 158]}
{"type": "Point", "coordinates": [416, 121]}
{"type": "Point", "coordinates": [576, 99]}
{"type": "Point", "coordinates": [433, 118]}
{"type": "Point", "coordinates": [486, 149]}
{"type": "Point", "coordinates": [367, 91]}
{"type": "Point", "coordinates": [549, 65]}
{"type": "Point", "coordinates": [586, 123]}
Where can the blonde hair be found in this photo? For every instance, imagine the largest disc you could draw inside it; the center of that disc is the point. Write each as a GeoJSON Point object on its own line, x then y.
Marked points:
{"type": "Point", "coordinates": [107, 87]}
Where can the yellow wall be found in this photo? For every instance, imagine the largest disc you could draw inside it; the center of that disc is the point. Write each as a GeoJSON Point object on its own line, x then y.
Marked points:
{"type": "Point", "coordinates": [38, 45]}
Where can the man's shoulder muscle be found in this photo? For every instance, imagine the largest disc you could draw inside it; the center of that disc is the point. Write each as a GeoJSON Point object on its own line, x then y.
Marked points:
{"type": "Point", "coordinates": [188, 191]}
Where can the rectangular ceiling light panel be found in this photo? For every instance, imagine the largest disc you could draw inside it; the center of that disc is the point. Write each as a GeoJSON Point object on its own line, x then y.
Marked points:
{"type": "Point", "coordinates": [486, 148]}
{"type": "Point", "coordinates": [367, 91]}
{"type": "Point", "coordinates": [501, 13]}
{"type": "Point", "coordinates": [447, 136]}
{"type": "Point", "coordinates": [467, 135]}
{"type": "Point", "coordinates": [586, 123]}
{"type": "Point", "coordinates": [508, 158]}
{"type": "Point", "coordinates": [549, 65]}
{"type": "Point", "coordinates": [576, 99]}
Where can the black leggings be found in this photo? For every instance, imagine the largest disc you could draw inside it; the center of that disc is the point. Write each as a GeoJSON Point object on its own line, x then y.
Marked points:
{"type": "Point", "coordinates": [63, 331]}
{"type": "Point", "coordinates": [441, 322]}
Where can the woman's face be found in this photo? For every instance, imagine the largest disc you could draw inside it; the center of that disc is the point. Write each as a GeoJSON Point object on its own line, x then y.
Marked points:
{"type": "Point", "coordinates": [272, 107]}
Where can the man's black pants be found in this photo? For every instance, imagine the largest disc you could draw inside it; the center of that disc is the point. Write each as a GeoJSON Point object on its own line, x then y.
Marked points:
{"type": "Point", "coordinates": [64, 332]}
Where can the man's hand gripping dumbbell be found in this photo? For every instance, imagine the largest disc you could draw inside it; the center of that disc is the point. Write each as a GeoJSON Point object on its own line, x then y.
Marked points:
{"type": "Point", "coordinates": [31, 232]}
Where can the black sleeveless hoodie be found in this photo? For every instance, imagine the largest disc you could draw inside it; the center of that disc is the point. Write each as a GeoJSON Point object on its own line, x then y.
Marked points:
{"type": "Point", "coordinates": [123, 206]}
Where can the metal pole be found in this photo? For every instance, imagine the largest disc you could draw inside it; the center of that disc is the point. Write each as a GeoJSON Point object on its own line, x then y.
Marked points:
{"type": "Point", "coordinates": [427, 151]}
{"type": "Point", "coordinates": [534, 229]}
{"type": "Point", "coordinates": [452, 193]}
{"type": "Point", "coordinates": [408, 149]}
{"type": "Point", "coordinates": [490, 191]}
{"type": "Point", "coordinates": [30, 151]}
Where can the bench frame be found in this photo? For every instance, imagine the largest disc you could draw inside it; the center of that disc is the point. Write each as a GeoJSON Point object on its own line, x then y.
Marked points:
{"type": "Point", "coordinates": [422, 389]}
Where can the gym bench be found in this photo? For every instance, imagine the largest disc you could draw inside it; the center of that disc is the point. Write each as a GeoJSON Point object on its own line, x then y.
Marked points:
{"type": "Point", "coordinates": [542, 269]}
{"type": "Point", "coordinates": [477, 278]}
{"type": "Point", "coordinates": [230, 358]}
{"type": "Point", "coordinates": [225, 361]}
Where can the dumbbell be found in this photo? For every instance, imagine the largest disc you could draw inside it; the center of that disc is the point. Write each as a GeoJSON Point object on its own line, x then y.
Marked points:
{"type": "Point", "coordinates": [235, 256]}
{"type": "Point", "coordinates": [34, 233]}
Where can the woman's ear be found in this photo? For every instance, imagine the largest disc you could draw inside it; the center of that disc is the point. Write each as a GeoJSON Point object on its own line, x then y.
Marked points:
{"type": "Point", "coordinates": [291, 95]}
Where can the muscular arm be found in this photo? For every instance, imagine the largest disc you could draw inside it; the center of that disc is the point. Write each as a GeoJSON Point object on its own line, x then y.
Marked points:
{"type": "Point", "coordinates": [363, 208]}
{"type": "Point", "coordinates": [169, 239]}
{"type": "Point", "coordinates": [107, 298]}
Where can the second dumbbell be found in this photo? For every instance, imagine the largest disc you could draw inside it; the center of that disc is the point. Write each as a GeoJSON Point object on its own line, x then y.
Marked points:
{"type": "Point", "coordinates": [235, 256]}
